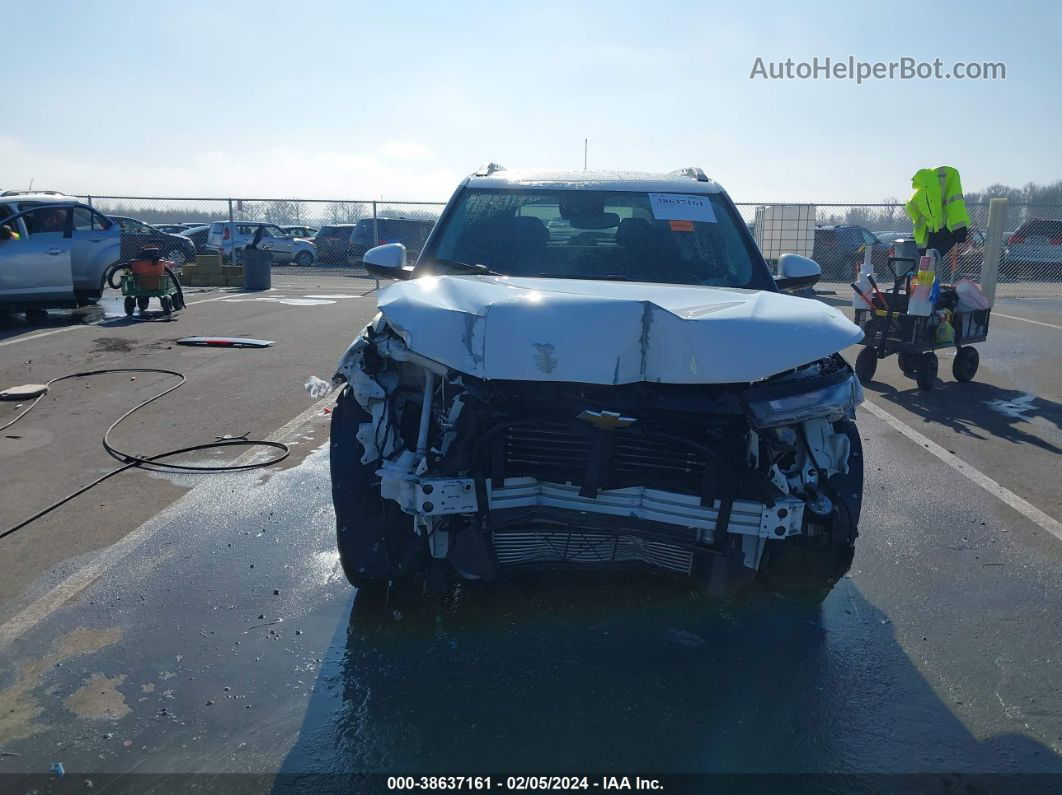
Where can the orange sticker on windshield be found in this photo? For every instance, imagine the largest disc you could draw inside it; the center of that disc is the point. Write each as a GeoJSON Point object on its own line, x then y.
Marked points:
{"type": "Point", "coordinates": [681, 226]}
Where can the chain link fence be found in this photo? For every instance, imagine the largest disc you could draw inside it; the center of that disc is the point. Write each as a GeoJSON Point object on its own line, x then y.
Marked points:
{"type": "Point", "coordinates": [321, 241]}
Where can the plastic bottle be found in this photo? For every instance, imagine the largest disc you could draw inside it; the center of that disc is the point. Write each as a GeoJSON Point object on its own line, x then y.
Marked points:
{"type": "Point", "coordinates": [866, 269]}
{"type": "Point", "coordinates": [920, 302]}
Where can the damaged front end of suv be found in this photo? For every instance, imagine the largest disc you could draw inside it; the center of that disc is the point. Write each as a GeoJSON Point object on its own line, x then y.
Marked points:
{"type": "Point", "coordinates": [596, 370]}
{"type": "Point", "coordinates": [439, 470]}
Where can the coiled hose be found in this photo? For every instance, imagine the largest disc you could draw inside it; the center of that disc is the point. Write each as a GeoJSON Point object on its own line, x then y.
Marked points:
{"type": "Point", "coordinates": [154, 462]}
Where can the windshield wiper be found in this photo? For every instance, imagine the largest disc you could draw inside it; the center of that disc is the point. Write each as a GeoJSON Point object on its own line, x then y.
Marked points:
{"type": "Point", "coordinates": [468, 267]}
{"type": "Point", "coordinates": [608, 277]}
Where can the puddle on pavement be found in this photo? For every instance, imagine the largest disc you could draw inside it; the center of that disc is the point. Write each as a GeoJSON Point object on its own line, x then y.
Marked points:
{"type": "Point", "coordinates": [19, 708]}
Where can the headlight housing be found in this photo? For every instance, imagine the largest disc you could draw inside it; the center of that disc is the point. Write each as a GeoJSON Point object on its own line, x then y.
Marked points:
{"type": "Point", "coordinates": [831, 402]}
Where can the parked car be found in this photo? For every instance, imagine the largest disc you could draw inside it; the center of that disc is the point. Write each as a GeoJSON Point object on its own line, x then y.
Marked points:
{"type": "Point", "coordinates": [333, 242]}
{"type": "Point", "coordinates": [61, 256]}
{"type": "Point", "coordinates": [231, 237]}
{"type": "Point", "coordinates": [198, 236]}
{"type": "Point", "coordinates": [173, 229]}
{"type": "Point", "coordinates": [839, 248]}
{"type": "Point", "coordinates": [368, 232]}
{"type": "Point", "coordinates": [648, 397]}
{"type": "Point", "coordinates": [307, 232]}
{"type": "Point", "coordinates": [137, 235]}
{"type": "Point", "coordinates": [1035, 250]}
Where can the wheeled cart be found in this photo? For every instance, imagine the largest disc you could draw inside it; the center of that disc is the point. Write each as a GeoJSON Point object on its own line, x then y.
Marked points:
{"type": "Point", "coordinates": [913, 338]}
{"type": "Point", "coordinates": [147, 277]}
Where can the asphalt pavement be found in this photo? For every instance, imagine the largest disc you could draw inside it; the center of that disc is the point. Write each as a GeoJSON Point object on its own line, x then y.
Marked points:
{"type": "Point", "coordinates": [212, 633]}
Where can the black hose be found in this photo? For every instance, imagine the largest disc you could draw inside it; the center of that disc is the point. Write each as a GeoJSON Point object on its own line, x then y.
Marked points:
{"type": "Point", "coordinates": [153, 462]}
{"type": "Point", "coordinates": [177, 284]}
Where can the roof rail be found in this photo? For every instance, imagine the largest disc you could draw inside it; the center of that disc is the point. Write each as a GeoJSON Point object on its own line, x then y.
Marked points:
{"type": "Point", "coordinates": [488, 169]}
{"type": "Point", "coordinates": [31, 192]}
{"type": "Point", "coordinates": [691, 171]}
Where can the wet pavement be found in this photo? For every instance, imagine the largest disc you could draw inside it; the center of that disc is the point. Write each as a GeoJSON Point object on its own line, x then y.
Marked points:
{"type": "Point", "coordinates": [229, 642]}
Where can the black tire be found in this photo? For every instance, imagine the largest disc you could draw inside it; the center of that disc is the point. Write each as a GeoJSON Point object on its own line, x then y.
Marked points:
{"type": "Point", "coordinates": [375, 539]}
{"type": "Point", "coordinates": [167, 305]}
{"type": "Point", "coordinates": [806, 568]}
{"type": "Point", "coordinates": [964, 368]}
{"type": "Point", "coordinates": [908, 363]}
{"type": "Point", "coordinates": [866, 364]}
{"type": "Point", "coordinates": [142, 302]}
{"type": "Point", "coordinates": [36, 316]}
{"type": "Point", "coordinates": [130, 304]}
{"type": "Point", "coordinates": [926, 375]}
{"type": "Point", "coordinates": [304, 259]}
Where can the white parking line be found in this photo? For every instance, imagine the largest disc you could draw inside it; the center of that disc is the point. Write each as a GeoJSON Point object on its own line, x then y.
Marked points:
{"type": "Point", "coordinates": [1022, 506]}
{"type": "Point", "coordinates": [58, 596]}
{"type": "Point", "coordinates": [1026, 320]}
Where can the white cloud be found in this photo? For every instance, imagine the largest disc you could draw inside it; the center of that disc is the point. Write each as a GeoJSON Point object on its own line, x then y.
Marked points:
{"type": "Point", "coordinates": [270, 172]}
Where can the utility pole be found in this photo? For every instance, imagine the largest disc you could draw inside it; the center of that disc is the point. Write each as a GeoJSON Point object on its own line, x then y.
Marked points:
{"type": "Point", "coordinates": [586, 145]}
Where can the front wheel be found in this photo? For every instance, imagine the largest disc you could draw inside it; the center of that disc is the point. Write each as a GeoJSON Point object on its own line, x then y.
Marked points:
{"type": "Point", "coordinates": [304, 259]}
{"type": "Point", "coordinates": [964, 368]}
{"type": "Point", "coordinates": [167, 305]}
{"type": "Point", "coordinates": [866, 364]}
{"type": "Point", "coordinates": [375, 539]}
{"type": "Point", "coordinates": [926, 375]}
{"type": "Point", "coordinates": [130, 305]}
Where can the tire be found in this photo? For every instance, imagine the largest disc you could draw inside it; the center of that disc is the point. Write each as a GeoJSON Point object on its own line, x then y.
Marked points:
{"type": "Point", "coordinates": [130, 305]}
{"type": "Point", "coordinates": [375, 539]}
{"type": "Point", "coordinates": [866, 364]}
{"type": "Point", "coordinates": [176, 256]}
{"type": "Point", "coordinates": [805, 569]}
{"type": "Point", "coordinates": [177, 302]}
{"type": "Point", "coordinates": [926, 375]}
{"type": "Point", "coordinates": [36, 316]}
{"type": "Point", "coordinates": [304, 259]}
{"type": "Point", "coordinates": [142, 302]}
{"type": "Point", "coordinates": [908, 363]}
{"type": "Point", "coordinates": [167, 305]}
{"type": "Point", "coordinates": [964, 368]}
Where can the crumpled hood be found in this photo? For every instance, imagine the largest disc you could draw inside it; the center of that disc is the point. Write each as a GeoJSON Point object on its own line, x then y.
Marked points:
{"type": "Point", "coordinates": [599, 332]}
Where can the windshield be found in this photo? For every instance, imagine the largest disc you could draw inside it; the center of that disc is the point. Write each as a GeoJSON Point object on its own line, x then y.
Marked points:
{"type": "Point", "coordinates": [582, 234]}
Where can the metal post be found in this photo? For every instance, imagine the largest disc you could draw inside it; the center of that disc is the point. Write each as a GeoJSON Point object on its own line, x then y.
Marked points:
{"type": "Point", "coordinates": [997, 210]}
{"type": "Point", "coordinates": [88, 200]}
{"type": "Point", "coordinates": [231, 218]}
{"type": "Point", "coordinates": [375, 226]}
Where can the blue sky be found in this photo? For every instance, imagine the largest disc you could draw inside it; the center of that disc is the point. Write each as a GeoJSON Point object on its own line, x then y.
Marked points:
{"type": "Point", "coordinates": [401, 99]}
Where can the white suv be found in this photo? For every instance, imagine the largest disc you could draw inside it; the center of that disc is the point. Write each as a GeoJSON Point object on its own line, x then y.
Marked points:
{"type": "Point", "coordinates": [596, 369]}
{"type": "Point", "coordinates": [231, 237]}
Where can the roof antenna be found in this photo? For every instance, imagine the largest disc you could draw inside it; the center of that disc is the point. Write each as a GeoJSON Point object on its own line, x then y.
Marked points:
{"type": "Point", "coordinates": [30, 185]}
{"type": "Point", "coordinates": [586, 146]}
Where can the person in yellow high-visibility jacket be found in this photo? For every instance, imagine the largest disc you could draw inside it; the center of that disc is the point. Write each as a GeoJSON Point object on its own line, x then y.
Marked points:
{"type": "Point", "coordinates": [937, 209]}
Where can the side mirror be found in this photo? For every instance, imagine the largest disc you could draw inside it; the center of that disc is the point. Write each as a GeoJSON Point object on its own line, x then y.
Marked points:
{"type": "Point", "coordinates": [796, 272]}
{"type": "Point", "coordinates": [387, 262]}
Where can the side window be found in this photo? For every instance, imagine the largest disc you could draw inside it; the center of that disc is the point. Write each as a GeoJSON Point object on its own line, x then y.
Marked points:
{"type": "Point", "coordinates": [48, 221]}
{"type": "Point", "coordinates": [88, 220]}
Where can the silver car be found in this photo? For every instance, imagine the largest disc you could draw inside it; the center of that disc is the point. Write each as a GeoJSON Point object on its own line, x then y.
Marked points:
{"type": "Point", "coordinates": [232, 237]}
{"type": "Point", "coordinates": [54, 252]}
{"type": "Point", "coordinates": [1035, 248]}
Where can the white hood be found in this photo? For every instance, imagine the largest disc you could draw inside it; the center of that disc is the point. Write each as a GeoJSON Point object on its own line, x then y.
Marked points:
{"type": "Point", "coordinates": [600, 332]}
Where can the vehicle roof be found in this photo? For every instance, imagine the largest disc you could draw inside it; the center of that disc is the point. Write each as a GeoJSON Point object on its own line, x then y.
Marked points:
{"type": "Point", "coordinates": [673, 182]}
{"type": "Point", "coordinates": [56, 198]}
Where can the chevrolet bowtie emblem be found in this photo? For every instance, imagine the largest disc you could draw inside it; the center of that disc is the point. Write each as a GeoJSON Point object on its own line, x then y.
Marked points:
{"type": "Point", "coordinates": [606, 420]}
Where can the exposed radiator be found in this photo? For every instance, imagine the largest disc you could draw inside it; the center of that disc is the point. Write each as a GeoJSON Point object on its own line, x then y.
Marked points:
{"type": "Point", "coordinates": [514, 548]}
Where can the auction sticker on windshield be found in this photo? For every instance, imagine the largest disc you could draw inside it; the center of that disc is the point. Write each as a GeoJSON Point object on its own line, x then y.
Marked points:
{"type": "Point", "coordinates": [681, 207]}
